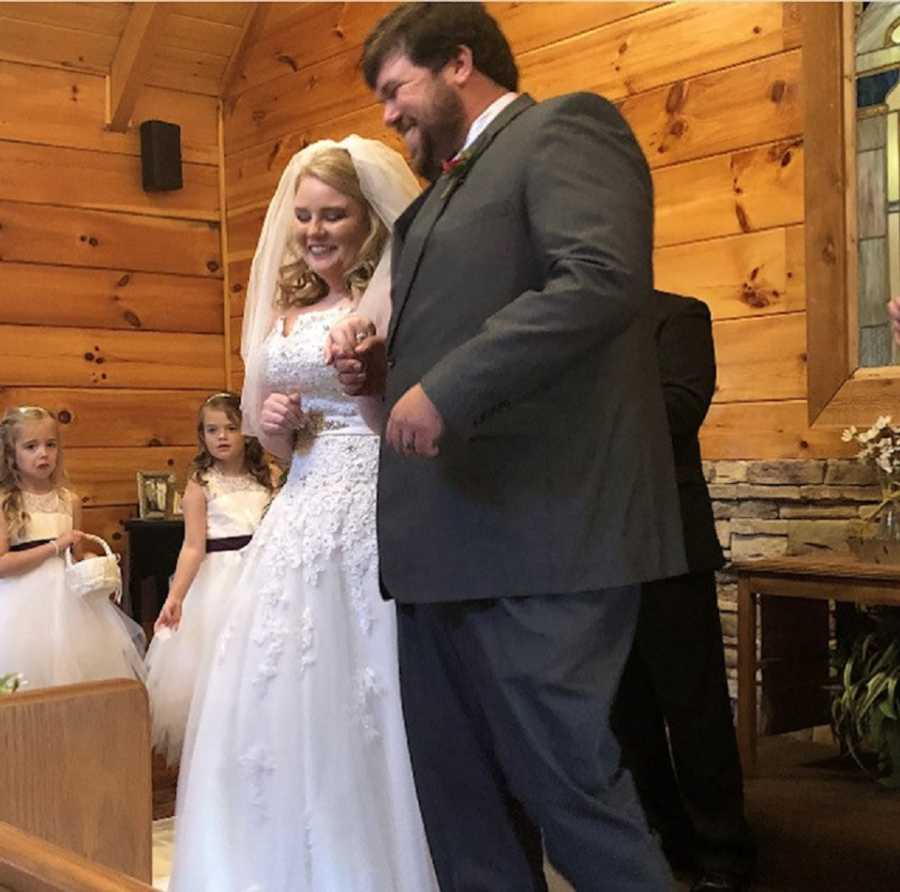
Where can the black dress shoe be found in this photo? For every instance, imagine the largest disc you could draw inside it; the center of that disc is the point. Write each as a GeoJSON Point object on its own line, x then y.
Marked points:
{"type": "Point", "coordinates": [713, 881]}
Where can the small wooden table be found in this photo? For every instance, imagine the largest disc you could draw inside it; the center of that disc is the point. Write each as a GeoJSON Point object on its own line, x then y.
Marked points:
{"type": "Point", "coordinates": [153, 547]}
{"type": "Point", "coordinates": [835, 577]}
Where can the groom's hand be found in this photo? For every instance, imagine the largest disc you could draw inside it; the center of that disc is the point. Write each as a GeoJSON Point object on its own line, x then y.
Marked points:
{"type": "Point", "coordinates": [415, 425]}
{"type": "Point", "coordinates": [362, 372]}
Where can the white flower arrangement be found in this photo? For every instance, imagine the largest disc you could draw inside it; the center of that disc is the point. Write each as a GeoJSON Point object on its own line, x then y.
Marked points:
{"type": "Point", "coordinates": [879, 445]}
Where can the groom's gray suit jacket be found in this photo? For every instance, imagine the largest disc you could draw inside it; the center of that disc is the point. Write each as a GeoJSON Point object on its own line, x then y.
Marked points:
{"type": "Point", "coordinates": [522, 302]}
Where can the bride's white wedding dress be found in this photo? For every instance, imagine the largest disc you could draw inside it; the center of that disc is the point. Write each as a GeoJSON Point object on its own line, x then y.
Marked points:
{"type": "Point", "coordinates": [296, 774]}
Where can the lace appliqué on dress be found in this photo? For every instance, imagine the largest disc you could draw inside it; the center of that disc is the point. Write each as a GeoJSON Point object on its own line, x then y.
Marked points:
{"type": "Point", "coordinates": [324, 514]}
{"type": "Point", "coordinates": [219, 484]}
{"type": "Point", "coordinates": [366, 693]}
{"type": "Point", "coordinates": [57, 501]}
{"type": "Point", "coordinates": [258, 765]}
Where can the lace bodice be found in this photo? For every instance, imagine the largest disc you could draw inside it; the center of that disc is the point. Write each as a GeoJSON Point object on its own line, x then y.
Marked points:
{"type": "Point", "coordinates": [294, 362]}
{"type": "Point", "coordinates": [234, 505]}
{"type": "Point", "coordinates": [49, 515]}
{"type": "Point", "coordinates": [325, 513]}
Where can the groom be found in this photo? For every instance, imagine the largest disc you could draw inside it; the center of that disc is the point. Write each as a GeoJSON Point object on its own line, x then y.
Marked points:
{"type": "Point", "coordinates": [526, 484]}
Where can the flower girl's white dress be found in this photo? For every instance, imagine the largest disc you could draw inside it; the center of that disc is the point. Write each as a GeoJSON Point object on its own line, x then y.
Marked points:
{"type": "Point", "coordinates": [49, 634]}
{"type": "Point", "coordinates": [298, 777]}
{"type": "Point", "coordinates": [176, 661]}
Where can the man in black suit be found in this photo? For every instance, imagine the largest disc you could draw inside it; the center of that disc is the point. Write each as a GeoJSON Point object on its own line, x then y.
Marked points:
{"type": "Point", "coordinates": [690, 784]}
{"type": "Point", "coordinates": [526, 485]}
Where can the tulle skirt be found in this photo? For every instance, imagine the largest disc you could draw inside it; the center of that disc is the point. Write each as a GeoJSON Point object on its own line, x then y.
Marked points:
{"type": "Point", "coordinates": [296, 775]}
{"type": "Point", "coordinates": [177, 661]}
{"type": "Point", "coordinates": [53, 637]}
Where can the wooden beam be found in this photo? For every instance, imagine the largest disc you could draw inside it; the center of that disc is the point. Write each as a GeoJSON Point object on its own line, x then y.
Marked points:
{"type": "Point", "coordinates": [132, 61]}
{"type": "Point", "coordinates": [250, 30]}
{"type": "Point", "coordinates": [223, 242]}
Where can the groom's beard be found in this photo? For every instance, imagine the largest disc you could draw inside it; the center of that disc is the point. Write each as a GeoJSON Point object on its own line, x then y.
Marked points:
{"type": "Point", "coordinates": [442, 132]}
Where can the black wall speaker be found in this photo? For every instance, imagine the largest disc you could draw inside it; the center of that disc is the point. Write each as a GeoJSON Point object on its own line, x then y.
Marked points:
{"type": "Point", "coordinates": [160, 156]}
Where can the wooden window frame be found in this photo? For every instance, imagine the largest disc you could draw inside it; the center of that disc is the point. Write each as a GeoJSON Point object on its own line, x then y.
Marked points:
{"type": "Point", "coordinates": [839, 391]}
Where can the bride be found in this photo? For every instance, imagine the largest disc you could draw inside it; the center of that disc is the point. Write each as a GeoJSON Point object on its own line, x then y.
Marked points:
{"type": "Point", "coordinates": [296, 774]}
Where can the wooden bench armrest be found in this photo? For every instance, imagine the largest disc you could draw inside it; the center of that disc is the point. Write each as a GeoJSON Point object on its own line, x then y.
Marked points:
{"type": "Point", "coordinates": [30, 864]}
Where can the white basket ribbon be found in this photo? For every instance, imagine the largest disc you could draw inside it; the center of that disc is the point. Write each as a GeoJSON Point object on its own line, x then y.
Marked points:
{"type": "Point", "coordinates": [96, 577]}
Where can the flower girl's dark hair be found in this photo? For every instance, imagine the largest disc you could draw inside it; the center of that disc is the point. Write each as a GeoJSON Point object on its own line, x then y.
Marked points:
{"type": "Point", "coordinates": [12, 504]}
{"type": "Point", "coordinates": [254, 457]}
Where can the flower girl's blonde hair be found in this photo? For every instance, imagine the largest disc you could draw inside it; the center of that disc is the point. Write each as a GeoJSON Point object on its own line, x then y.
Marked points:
{"type": "Point", "coordinates": [12, 504]}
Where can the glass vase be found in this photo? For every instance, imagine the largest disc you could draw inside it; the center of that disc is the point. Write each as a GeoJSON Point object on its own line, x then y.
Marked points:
{"type": "Point", "coordinates": [889, 513]}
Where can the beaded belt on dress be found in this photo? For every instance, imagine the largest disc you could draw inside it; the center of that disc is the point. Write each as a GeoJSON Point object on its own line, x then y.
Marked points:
{"type": "Point", "coordinates": [315, 423]}
{"type": "Point", "coordinates": [227, 543]}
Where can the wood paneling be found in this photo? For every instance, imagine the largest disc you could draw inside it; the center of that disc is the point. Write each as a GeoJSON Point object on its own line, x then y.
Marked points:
{"type": "Point", "coordinates": [727, 194]}
{"type": "Point", "coordinates": [108, 476]}
{"type": "Point", "coordinates": [189, 70]}
{"type": "Point", "coordinates": [113, 307]}
{"type": "Point", "coordinates": [661, 46]}
{"type": "Point", "coordinates": [68, 108]}
{"type": "Point", "coordinates": [719, 112]}
{"type": "Point", "coordinates": [243, 233]}
{"type": "Point", "coordinates": [224, 13]}
{"type": "Point", "coordinates": [40, 294]}
{"type": "Point", "coordinates": [101, 181]}
{"type": "Point", "coordinates": [761, 359]}
{"type": "Point", "coordinates": [109, 523]}
{"type": "Point", "coordinates": [767, 430]}
{"type": "Point", "coordinates": [238, 276]}
{"type": "Point", "coordinates": [67, 357]}
{"type": "Point", "coordinates": [96, 18]}
{"type": "Point", "coordinates": [312, 95]}
{"type": "Point", "coordinates": [253, 173]}
{"type": "Point", "coordinates": [307, 34]}
{"type": "Point", "coordinates": [116, 417]}
{"type": "Point", "coordinates": [75, 237]}
{"type": "Point", "coordinates": [744, 275]}
{"type": "Point", "coordinates": [557, 24]}
{"type": "Point", "coordinates": [207, 36]}
{"type": "Point", "coordinates": [49, 44]}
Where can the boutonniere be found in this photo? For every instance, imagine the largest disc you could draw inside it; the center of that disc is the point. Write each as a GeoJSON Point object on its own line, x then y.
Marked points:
{"type": "Point", "coordinates": [457, 167]}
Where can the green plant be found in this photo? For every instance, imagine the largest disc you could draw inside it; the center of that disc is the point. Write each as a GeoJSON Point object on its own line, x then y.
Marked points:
{"type": "Point", "coordinates": [10, 682]}
{"type": "Point", "coordinates": [865, 709]}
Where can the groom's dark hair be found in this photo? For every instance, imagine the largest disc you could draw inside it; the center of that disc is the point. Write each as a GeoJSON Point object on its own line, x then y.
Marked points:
{"type": "Point", "coordinates": [430, 34]}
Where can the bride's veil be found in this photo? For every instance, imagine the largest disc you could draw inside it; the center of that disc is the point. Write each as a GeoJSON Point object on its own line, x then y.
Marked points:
{"type": "Point", "coordinates": [387, 184]}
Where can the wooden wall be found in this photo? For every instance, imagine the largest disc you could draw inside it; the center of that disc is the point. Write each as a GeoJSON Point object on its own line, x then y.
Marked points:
{"type": "Point", "coordinates": [112, 308]}
{"type": "Point", "coordinates": [712, 91]}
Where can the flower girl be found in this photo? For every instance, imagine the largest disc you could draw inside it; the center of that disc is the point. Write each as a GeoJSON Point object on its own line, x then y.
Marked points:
{"type": "Point", "coordinates": [226, 495]}
{"type": "Point", "coordinates": [47, 633]}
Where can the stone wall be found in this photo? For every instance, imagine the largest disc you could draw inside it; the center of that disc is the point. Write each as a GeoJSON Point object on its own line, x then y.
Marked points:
{"type": "Point", "coordinates": [773, 508]}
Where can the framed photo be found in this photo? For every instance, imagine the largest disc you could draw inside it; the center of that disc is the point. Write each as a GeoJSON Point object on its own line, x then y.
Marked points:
{"type": "Point", "coordinates": [156, 494]}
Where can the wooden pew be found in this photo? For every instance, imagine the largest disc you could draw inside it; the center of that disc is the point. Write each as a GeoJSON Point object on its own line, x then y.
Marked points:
{"type": "Point", "coordinates": [30, 864]}
{"type": "Point", "coordinates": [75, 771]}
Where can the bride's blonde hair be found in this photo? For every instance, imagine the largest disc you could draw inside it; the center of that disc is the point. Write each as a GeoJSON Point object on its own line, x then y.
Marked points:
{"type": "Point", "coordinates": [298, 285]}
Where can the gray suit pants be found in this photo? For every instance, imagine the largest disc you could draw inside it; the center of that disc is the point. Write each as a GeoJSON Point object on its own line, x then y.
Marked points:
{"type": "Point", "coordinates": [507, 705]}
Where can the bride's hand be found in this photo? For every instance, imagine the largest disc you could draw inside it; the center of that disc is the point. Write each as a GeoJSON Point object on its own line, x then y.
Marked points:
{"type": "Point", "coordinates": [281, 414]}
{"type": "Point", "coordinates": [345, 335]}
